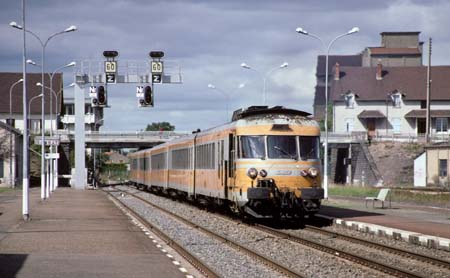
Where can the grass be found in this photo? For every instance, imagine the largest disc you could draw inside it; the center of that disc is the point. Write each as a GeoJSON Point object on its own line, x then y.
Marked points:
{"type": "Point", "coordinates": [5, 189]}
{"type": "Point", "coordinates": [441, 199]}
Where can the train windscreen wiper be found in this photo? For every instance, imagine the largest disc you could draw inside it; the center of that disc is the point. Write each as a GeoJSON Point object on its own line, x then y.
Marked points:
{"type": "Point", "coordinates": [285, 152]}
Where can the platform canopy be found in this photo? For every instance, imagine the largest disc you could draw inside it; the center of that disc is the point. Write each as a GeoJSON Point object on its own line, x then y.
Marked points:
{"type": "Point", "coordinates": [422, 113]}
{"type": "Point", "coordinates": [371, 114]}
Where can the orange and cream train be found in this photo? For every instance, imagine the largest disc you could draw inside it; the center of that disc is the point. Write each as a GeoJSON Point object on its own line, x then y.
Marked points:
{"type": "Point", "coordinates": [264, 163]}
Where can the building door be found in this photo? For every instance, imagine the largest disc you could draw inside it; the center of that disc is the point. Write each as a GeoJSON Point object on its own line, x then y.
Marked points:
{"type": "Point", "coordinates": [371, 127]}
{"type": "Point", "coordinates": [421, 126]}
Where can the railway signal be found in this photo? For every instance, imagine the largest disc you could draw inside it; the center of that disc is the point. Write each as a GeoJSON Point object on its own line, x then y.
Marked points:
{"type": "Point", "coordinates": [102, 99]}
{"type": "Point", "coordinates": [148, 97]}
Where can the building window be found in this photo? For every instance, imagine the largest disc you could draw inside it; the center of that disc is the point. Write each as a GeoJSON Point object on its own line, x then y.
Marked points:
{"type": "Point", "coordinates": [397, 125]}
{"type": "Point", "coordinates": [442, 167]}
{"type": "Point", "coordinates": [396, 100]}
{"type": "Point", "coordinates": [441, 124]}
{"type": "Point", "coordinates": [70, 109]}
{"type": "Point", "coordinates": [349, 100]}
{"type": "Point", "coordinates": [35, 126]}
{"type": "Point", "coordinates": [423, 104]}
{"type": "Point", "coordinates": [348, 125]}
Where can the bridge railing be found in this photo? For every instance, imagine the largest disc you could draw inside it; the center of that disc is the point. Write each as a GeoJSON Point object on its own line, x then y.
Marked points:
{"type": "Point", "coordinates": [346, 137]}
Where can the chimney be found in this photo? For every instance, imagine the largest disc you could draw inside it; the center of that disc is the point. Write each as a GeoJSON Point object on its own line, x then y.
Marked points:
{"type": "Point", "coordinates": [337, 71]}
{"type": "Point", "coordinates": [379, 71]}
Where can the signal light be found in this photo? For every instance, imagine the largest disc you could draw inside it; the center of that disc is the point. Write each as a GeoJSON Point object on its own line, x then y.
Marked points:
{"type": "Point", "coordinates": [148, 96]}
{"type": "Point", "coordinates": [101, 96]}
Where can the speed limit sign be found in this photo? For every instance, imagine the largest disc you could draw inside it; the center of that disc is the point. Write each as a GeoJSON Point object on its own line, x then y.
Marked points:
{"type": "Point", "coordinates": [157, 67]}
{"type": "Point", "coordinates": [110, 67]}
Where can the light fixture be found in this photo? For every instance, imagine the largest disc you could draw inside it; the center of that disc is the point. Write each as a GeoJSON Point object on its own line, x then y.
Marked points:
{"type": "Point", "coordinates": [353, 30]}
{"type": "Point", "coordinates": [252, 173]}
{"type": "Point", "coordinates": [300, 30]}
{"type": "Point", "coordinates": [71, 29]}
{"type": "Point", "coordinates": [245, 66]}
{"type": "Point", "coordinates": [15, 25]}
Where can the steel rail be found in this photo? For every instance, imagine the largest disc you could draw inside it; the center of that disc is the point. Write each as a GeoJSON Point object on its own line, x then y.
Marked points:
{"type": "Point", "coordinates": [380, 246]}
{"type": "Point", "coordinates": [262, 258]}
{"type": "Point", "coordinates": [340, 253]}
{"type": "Point", "coordinates": [192, 259]}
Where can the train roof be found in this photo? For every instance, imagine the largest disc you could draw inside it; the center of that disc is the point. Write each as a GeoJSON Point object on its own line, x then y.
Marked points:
{"type": "Point", "coordinates": [265, 110]}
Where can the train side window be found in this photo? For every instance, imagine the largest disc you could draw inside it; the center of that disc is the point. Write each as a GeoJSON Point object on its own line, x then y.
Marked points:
{"type": "Point", "coordinates": [231, 155]}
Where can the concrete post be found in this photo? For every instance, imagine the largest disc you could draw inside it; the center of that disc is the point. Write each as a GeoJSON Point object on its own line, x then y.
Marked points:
{"type": "Point", "coordinates": [80, 178]}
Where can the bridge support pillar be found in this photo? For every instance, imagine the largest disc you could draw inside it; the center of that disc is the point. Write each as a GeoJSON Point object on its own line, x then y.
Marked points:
{"type": "Point", "coordinates": [79, 180]}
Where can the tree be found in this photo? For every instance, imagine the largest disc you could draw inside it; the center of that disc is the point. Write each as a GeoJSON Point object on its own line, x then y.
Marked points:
{"type": "Point", "coordinates": [160, 126]}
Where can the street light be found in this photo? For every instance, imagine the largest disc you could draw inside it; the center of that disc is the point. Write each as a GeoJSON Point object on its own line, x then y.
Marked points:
{"type": "Point", "coordinates": [71, 28]}
{"type": "Point", "coordinates": [51, 75]}
{"type": "Point", "coordinates": [29, 108]}
{"type": "Point", "coordinates": [265, 76]}
{"type": "Point", "coordinates": [226, 95]}
{"type": "Point", "coordinates": [11, 183]}
{"type": "Point", "coordinates": [327, 51]}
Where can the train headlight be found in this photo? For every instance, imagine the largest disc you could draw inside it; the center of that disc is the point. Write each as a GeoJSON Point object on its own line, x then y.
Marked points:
{"type": "Point", "coordinates": [303, 173]}
{"type": "Point", "coordinates": [313, 172]}
{"type": "Point", "coordinates": [263, 173]}
{"type": "Point", "coordinates": [252, 173]}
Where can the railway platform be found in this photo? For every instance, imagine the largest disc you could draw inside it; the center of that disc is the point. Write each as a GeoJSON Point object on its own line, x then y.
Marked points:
{"type": "Point", "coordinates": [423, 225]}
{"type": "Point", "coordinates": [77, 233]}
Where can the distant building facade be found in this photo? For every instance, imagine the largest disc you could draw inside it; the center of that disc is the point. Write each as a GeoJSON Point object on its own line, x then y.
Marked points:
{"type": "Point", "coordinates": [398, 49]}
{"type": "Point", "coordinates": [392, 100]}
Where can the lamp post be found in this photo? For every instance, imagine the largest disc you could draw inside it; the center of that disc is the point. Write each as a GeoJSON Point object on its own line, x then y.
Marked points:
{"type": "Point", "coordinates": [29, 107]}
{"type": "Point", "coordinates": [51, 181]}
{"type": "Point", "coordinates": [265, 76]}
{"type": "Point", "coordinates": [44, 45]}
{"type": "Point", "coordinates": [11, 183]}
{"type": "Point", "coordinates": [327, 51]}
{"type": "Point", "coordinates": [226, 95]}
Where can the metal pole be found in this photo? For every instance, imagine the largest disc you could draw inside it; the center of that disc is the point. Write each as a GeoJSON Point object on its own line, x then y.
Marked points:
{"type": "Point", "coordinates": [43, 181]}
{"type": "Point", "coordinates": [11, 180]}
{"type": "Point", "coordinates": [428, 121]}
{"type": "Point", "coordinates": [25, 174]}
{"type": "Point", "coordinates": [325, 158]}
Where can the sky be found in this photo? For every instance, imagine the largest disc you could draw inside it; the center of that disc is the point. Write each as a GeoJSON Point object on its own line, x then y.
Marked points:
{"type": "Point", "coordinates": [208, 41]}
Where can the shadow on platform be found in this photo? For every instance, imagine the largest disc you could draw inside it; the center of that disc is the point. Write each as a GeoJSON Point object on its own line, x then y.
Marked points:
{"type": "Point", "coordinates": [345, 213]}
{"type": "Point", "coordinates": [10, 264]}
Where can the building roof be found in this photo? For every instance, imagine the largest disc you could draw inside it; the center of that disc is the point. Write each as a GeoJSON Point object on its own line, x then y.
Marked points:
{"type": "Point", "coordinates": [422, 113]}
{"type": "Point", "coordinates": [409, 81]}
{"type": "Point", "coordinates": [343, 60]}
{"type": "Point", "coordinates": [396, 33]}
{"type": "Point", "coordinates": [9, 78]}
{"type": "Point", "coordinates": [374, 51]}
{"type": "Point", "coordinates": [371, 114]}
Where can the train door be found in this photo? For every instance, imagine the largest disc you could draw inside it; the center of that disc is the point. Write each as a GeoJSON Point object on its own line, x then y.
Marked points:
{"type": "Point", "coordinates": [229, 169]}
{"type": "Point", "coordinates": [191, 152]}
{"type": "Point", "coordinates": [222, 169]}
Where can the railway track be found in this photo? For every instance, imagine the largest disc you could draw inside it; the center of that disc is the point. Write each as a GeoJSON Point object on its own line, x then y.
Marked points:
{"type": "Point", "coordinates": [404, 253]}
{"type": "Point", "coordinates": [195, 261]}
{"type": "Point", "coordinates": [350, 256]}
{"type": "Point", "coordinates": [192, 259]}
{"type": "Point", "coordinates": [380, 266]}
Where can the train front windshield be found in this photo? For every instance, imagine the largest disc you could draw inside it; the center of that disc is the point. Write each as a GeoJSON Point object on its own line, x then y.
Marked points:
{"type": "Point", "coordinates": [309, 147]}
{"type": "Point", "coordinates": [282, 147]}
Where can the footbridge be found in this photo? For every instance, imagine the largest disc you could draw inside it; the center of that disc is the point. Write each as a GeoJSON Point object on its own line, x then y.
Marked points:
{"type": "Point", "coordinates": [122, 139]}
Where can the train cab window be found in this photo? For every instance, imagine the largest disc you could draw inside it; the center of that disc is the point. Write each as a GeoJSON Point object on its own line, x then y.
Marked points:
{"type": "Point", "coordinates": [253, 147]}
{"type": "Point", "coordinates": [309, 147]}
{"type": "Point", "coordinates": [282, 147]}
